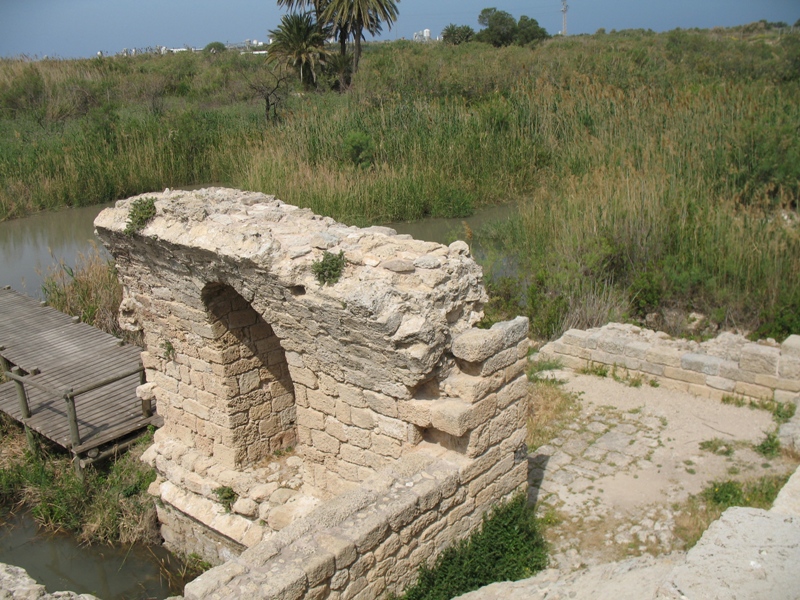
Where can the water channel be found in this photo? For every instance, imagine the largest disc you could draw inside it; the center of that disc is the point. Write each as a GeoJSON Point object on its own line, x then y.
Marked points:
{"type": "Point", "coordinates": [28, 248]}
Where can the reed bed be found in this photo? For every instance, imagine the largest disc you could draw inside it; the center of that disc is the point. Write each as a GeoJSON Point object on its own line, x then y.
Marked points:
{"type": "Point", "coordinates": [652, 172]}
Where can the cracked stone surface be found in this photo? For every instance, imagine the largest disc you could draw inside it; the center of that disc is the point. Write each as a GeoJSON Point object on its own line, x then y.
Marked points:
{"type": "Point", "coordinates": [615, 477]}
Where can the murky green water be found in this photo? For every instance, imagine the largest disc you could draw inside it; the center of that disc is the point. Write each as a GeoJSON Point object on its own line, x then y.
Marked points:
{"type": "Point", "coordinates": [60, 564]}
{"type": "Point", "coordinates": [29, 246]}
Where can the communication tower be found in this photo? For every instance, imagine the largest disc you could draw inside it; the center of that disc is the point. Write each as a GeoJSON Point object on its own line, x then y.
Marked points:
{"type": "Point", "coordinates": [564, 9]}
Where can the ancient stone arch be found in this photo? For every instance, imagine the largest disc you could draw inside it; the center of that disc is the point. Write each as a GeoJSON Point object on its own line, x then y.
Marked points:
{"type": "Point", "coordinates": [375, 375]}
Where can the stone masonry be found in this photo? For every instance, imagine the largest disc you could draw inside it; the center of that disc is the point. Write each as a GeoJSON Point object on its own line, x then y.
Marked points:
{"type": "Point", "coordinates": [727, 365]}
{"type": "Point", "coordinates": [356, 428]}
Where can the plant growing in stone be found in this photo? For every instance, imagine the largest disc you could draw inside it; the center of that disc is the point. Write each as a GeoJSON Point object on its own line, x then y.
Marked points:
{"type": "Point", "coordinates": [142, 210]}
{"type": "Point", "coordinates": [329, 269]}
{"type": "Point", "coordinates": [169, 350]}
{"type": "Point", "coordinates": [226, 496]}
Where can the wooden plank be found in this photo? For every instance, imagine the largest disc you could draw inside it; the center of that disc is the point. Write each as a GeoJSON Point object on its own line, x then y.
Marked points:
{"type": "Point", "coordinates": [70, 355]}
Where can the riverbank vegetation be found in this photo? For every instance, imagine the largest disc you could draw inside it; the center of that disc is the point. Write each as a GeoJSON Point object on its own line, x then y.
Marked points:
{"type": "Point", "coordinates": [111, 505]}
{"type": "Point", "coordinates": [655, 174]}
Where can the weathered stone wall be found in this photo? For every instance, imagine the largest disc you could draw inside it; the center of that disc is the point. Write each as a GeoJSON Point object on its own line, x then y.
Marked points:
{"type": "Point", "coordinates": [16, 584]}
{"type": "Point", "coordinates": [371, 540]}
{"type": "Point", "coordinates": [247, 354]}
{"type": "Point", "coordinates": [727, 365]}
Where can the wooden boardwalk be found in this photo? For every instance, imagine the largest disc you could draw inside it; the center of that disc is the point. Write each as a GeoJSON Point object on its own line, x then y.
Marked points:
{"type": "Point", "coordinates": [58, 354]}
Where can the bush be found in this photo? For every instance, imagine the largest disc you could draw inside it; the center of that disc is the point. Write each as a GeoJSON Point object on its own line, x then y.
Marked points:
{"type": "Point", "coordinates": [329, 268]}
{"type": "Point", "coordinates": [509, 546]}
{"type": "Point", "coordinates": [142, 210]}
{"type": "Point", "coordinates": [358, 148]}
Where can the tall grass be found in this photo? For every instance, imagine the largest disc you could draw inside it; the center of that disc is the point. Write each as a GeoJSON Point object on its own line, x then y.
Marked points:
{"type": "Point", "coordinates": [110, 506]}
{"type": "Point", "coordinates": [652, 171]}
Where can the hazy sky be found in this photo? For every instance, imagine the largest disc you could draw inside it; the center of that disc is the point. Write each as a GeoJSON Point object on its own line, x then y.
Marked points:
{"type": "Point", "coordinates": [72, 28]}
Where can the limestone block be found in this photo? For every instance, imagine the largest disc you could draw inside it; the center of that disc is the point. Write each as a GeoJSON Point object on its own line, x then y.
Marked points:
{"type": "Point", "coordinates": [664, 355]}
{"type": "Point", "coordinates": [394, 428]}
{"type": "Point", "coordinates": [575, 337]}
{"type": "Point", "coordinates": [246, 507]}
{"type": "Point", "coordinates": [381, 403]}
{"type": "Point", "coordinates": [721, 383]}
{"type": "Point", "coordinates": [788, 366]}
{"type": "Point", "coordinates": [321, 402]}
{"type": "Point", "coordinates": [783, 396]}
{"type": "Point", "coordinates": [417, 412]}
{"type": "Point", "coordinates": [612, 344]}
{"type": "Point", "coordinates": [476, 345]}
{"type": "Point", "coordinates": [752, 390]}
{"type": "Point", "coordinates": [499, 361]}
{"type": "Point", "coordinates": [637, 349]}
{"type": "Point", "coordinates": [757, 358]}
{"type": "Point", "coordinates": [513, 391]}
{"type": "Point", "coordinates": [702, 363]}
{"type": "Point", "coordinates": [261, 492]}
{"type": "Point", "coordinates": [791, 346]}
{"type": "Point", "coordinates": [451, 416]}
{"type": "Point", "coordinates": [684, 375]}
{"type": "Point", "coordinates": [363, 418]}
{"type": "Point", "coordinates": [470, 388]}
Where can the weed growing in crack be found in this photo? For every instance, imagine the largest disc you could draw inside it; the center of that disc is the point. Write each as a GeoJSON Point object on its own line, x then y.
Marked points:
{"type": "Point", "coordinates": [329, 268]}
{"type": "Point", "coordinates": [770, 447]}
{"type": "Point", "coordinates": [142, 210]}
{"type": "Point", "coordinates": [718, 447]}
{"type": "Point", "coordinates": [598, 370]}
{"type": "Point", "coordinates": [226, 496]}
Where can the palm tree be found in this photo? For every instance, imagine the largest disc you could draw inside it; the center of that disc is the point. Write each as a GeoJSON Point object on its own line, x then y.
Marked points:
{"type": "Point", "coordinates": [299, 42]}
{"type": "Point", "coordinates": [355, 16]}
{"type": "Point", "coordinates": [319, 6]}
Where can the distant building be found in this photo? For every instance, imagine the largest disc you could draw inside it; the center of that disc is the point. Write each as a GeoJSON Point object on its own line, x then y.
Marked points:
{"type": "Point", "coordinates": [423, 36]}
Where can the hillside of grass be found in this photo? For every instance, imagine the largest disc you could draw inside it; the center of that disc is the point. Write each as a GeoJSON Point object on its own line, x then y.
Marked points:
{"type": "Point", "coordinates": [655, 174]}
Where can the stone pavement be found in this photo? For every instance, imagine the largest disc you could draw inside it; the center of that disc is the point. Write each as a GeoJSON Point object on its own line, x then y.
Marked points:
{"type": "Point", "coordinates": [617, 475]}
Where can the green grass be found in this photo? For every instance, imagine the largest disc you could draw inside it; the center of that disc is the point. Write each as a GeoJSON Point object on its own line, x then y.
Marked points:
{"type": "Point", "coordinates": [699, 511]}
{"type": "Point", "coordinates": [770, 446]}
{"type": "Point", "coordinates": [508, 546]}
{"type": "Point", "coordinates": [718, 446]}
{"type": "Point", "coordinates": [596, 369]}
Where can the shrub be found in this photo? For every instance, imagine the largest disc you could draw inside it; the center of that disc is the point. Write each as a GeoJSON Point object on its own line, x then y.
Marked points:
{"type": "Point", "coordinates": [142, 210]}
{"type": "Point", "coordinates": [226, 496]}
{"type": "Point", "coordinates": [509, 546]}
{"type": "Point", "coordinates": [329, 268]}
{"type": "Point", "coordinates": [358, 148]}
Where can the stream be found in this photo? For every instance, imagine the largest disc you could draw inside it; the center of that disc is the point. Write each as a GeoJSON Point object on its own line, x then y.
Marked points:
{"type": "Point", "coordinates": [59, 563]}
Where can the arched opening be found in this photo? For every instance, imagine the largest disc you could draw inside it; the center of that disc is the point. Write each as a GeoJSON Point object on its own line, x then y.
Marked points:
{"type": "Point", "coordinates": [254, 408]}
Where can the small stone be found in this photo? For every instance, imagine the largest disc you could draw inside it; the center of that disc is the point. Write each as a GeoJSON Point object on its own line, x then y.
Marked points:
{"type": "Point", "coordinates": [398, 266]}
{"type": "Point", "coordinates": [282, 495]}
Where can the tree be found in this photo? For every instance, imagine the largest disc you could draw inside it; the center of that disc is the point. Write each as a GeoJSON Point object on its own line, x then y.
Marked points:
{"type": "Point", "coordinates": [268, 83]}
{"type": "Point", "coordinates": [500, 27]}
{"type": "Point", "coordinates": [353, 17]}
{"type": "Point", "coordinates": [318, 6]}
{"type": "Point", "coordinates": [528, 31]}
{"type": "Point", "coordinates": [457, 34]}
{"type": "Point", "coordinates": [300, 43]}
{"type": "Point", "coordinates": [215, 48]}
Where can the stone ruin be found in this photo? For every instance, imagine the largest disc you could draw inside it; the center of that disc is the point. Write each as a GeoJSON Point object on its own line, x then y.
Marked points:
{"type": "Point", "coordinates": [319, 440]}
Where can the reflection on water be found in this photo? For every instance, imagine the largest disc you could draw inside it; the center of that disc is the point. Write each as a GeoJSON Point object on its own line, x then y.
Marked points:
{"type": "Point", "coordinates": [28, 245]}
{"type": "Point", "coordinates": [446, 231]}
{"type": "Point", "coordinates": [60, 564]}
